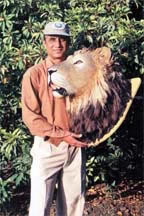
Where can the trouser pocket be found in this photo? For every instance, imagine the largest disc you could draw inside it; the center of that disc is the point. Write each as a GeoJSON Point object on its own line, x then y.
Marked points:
{"type": "Point", "coordinates": [41, 148]}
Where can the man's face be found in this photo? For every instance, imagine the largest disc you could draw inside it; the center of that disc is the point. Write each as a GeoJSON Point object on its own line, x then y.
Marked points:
{"type": "Point", "coordinates": [56, 46]}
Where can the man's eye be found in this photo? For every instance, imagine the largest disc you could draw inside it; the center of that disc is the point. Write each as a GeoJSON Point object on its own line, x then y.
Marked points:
{"type": "Point", "coordinates": [63, 39]}
{"type": "Point", "coordinates": [52, 39]}
{"type": "Point", "coordinates": [78, 62]}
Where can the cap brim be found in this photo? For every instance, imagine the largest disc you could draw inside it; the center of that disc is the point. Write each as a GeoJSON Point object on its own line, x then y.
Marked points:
{"type": "Point", "coordinates": [54, 33]}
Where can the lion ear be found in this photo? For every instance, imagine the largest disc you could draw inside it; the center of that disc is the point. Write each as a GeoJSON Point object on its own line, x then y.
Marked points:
{"type": "Point", "coordinates": [103, 56]}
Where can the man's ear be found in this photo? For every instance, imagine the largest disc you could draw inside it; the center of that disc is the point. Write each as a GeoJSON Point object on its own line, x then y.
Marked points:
{"type": "Point", "coordinates": [44, 43]}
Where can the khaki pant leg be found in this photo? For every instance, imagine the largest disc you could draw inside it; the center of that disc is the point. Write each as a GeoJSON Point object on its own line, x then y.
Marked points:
{"type": "Point", "coordinates": [47, 163]}
{"type": "Point", "coordinates": [71, 188]}
{"type": "Point", "coordinates": [41, 196]}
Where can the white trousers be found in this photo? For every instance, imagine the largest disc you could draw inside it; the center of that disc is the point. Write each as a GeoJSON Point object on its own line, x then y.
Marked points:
{"type": "Point", "coordinates": [64, 165]}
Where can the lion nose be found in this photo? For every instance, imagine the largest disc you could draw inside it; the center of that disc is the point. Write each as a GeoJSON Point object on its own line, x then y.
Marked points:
{"type": "Point", "coordinates": [50, 71]}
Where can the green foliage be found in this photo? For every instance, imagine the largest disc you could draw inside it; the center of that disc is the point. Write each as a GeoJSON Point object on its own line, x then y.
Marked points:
{"type": "Point", "coordinates": [117, 24]}
{"type": "Point", "coordinates": [15, 161]}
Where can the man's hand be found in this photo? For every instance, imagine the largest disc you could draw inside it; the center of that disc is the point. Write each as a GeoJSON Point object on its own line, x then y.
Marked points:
{"type": "Point", "coordinates": [71, 140]}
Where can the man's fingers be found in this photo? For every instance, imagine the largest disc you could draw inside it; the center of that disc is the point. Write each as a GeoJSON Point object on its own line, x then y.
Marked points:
{"type": "Point", "coordinates": [71, 140]}
{"type": "Point", "coordinates": [80, 144]}
{"type": "Point", "coordinates": [76, 135]}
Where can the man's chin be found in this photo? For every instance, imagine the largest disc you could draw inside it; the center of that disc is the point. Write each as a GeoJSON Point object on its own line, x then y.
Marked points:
{"type": "Point", "coordinates": [58, 54]}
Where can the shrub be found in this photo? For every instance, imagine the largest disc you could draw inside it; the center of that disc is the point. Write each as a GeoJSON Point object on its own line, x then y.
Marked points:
{"type": "Point", "coordinates": [117, 24]}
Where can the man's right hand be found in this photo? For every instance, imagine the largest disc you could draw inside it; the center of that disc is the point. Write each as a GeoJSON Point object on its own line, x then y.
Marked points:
{"type": "Point", "coordinates": [71, 140]}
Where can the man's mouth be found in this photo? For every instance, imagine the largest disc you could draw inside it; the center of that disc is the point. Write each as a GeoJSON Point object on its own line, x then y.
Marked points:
{"type": "Point", "coordinates": [58, 50]}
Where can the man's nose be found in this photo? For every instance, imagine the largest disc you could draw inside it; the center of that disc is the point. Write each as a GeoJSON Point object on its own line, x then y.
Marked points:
{"type": "Point", "coordinates": [58, 42]}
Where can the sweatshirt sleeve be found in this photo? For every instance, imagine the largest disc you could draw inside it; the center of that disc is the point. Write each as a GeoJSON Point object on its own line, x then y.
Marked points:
{"type": "Point", "coordinates": [31, 113]}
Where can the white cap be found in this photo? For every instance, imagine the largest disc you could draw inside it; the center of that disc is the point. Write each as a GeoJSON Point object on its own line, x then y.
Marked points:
{"type": "Point", "coordinates": [57, 28]}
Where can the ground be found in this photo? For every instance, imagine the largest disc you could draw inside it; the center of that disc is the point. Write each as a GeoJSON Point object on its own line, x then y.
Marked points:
{"type": "Point", "coordinates": [127, 199]}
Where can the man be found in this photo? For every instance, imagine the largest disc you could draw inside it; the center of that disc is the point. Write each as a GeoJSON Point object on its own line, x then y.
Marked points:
{"type": "Point", "coordinates": [55, 152]}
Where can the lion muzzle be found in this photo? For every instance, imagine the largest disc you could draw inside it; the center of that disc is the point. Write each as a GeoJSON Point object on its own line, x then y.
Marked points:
{"type": "Point", "coordinates": [57, 90]}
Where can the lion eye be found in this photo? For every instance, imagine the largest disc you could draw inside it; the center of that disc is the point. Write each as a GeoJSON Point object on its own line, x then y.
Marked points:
{"type": "Point", "coordinates": [78, 62]}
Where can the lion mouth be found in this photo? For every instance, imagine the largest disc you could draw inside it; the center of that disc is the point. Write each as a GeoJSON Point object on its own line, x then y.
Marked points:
{"type": "Point", "coordinates": [61, 91]}
{"type": "Point", "coordinates": [56, 89]}
{"type": "Point", "coordinates": [58, 84]}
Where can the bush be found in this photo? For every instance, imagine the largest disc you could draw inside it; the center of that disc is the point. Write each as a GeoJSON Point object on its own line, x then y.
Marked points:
{"type": "Point", "coordinates": [117, 24]}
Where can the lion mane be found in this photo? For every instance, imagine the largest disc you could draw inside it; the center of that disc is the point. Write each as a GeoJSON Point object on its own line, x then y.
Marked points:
{"type": "Point", "coordinates": [96, 91]}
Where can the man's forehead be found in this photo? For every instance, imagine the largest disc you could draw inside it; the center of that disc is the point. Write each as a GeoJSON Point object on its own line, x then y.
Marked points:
{"type": "Point", "coordinates": [55, 36]}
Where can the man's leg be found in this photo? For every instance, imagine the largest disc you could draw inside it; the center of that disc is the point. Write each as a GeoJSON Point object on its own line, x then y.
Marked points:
{"type": "Point", "coordinates": [47, 163]}
{"type": "Point", "coordinates": [41, 195]}
{"type": "Point", "coordinates": [71, 188]}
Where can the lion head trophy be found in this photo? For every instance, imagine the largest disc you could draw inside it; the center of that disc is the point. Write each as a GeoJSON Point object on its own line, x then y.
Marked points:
{"type": "Point", "coordinates": [98, 97]}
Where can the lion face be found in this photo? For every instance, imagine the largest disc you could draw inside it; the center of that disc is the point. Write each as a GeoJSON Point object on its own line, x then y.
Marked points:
{"type": "Point", "coordinates": [75, 75]}
{"type": "Point", "coordinates": [97, 94]}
